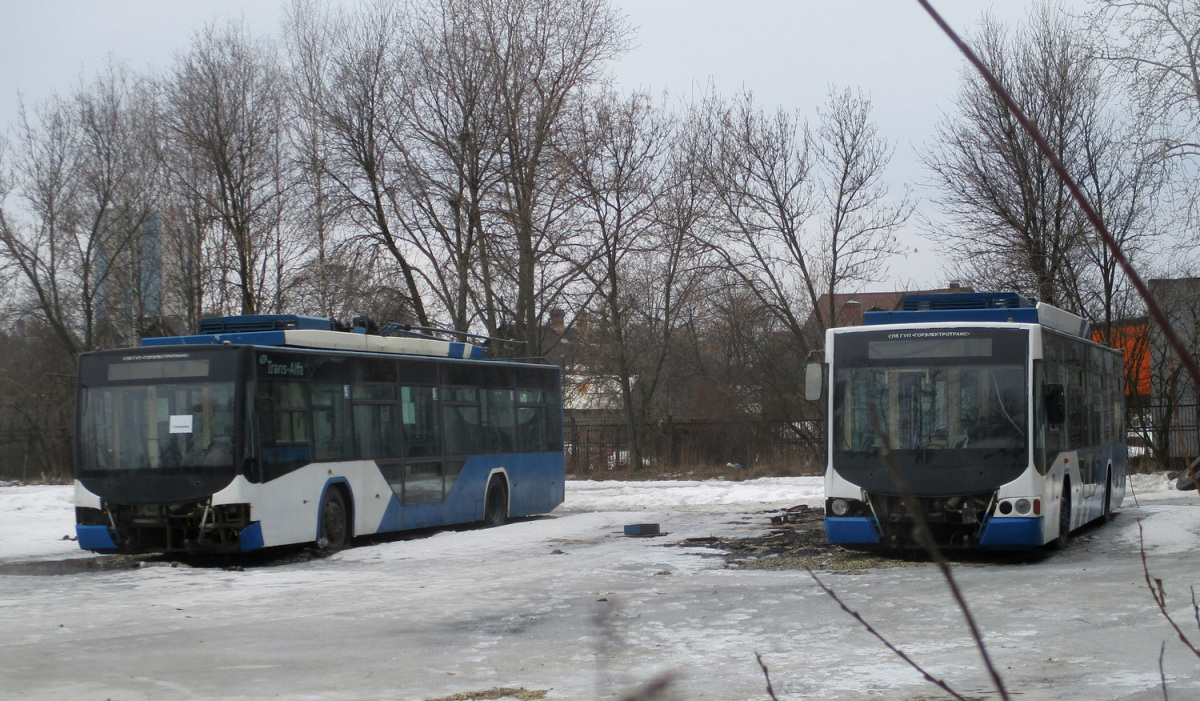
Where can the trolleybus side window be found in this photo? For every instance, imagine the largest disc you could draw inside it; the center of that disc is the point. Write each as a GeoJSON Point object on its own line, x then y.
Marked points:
{"type": "Point", "coordinates": [1077, 414]}
{"type": "Point", "coordinates": [1091, 384]}
{"type": "Point", "coordinates": [376, 420]}
{"type": "Point", "coordinates": [499, 421]}
{"type": "Point", "coordinates": [533, 418]}
{"type": "Point", "coordinates": [423, 483]}
{"type": "Point", "coordinates": [284, 416]}
{"type": "Point", "coordinates": [418, 414]}
{"type": "Point", "coordinates": [291, 418]}
{"type": "Point", "coordinates": [460, 420]}
{"type": "Point", "coordinates": [426, 476]}
{"type": "Point", "coordinates": [330, 417]}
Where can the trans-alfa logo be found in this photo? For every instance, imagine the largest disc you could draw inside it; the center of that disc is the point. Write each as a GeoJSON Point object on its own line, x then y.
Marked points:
{"type": "Point", "coordinates": [294, 368]}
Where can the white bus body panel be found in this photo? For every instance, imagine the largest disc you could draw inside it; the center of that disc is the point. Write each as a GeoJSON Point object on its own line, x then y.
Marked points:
{"type": "Point", "coordinates": [84, 497]}
{"type": "Point", "coordinates": [341, 340]}
{"type": "Point", "coordinates": [288, 507]}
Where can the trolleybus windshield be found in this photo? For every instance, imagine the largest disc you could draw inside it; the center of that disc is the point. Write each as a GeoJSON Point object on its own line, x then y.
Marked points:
{"type": "Point", "coordinates": [165, 411]}
{"type": "Point", "coordinates": [932, 396]}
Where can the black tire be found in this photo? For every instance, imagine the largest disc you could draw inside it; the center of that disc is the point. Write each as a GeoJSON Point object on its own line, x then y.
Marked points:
{"type": "Point", "coordinates": [1107, 514]}
{"type": "Point", "coordinates": [1064, 519]}
{"type": "Point", "coordinates": [335, 521]}
{"type": "Point", "coordinates": [495, 506]}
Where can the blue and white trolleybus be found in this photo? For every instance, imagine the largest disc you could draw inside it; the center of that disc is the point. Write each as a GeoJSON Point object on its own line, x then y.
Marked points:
{"type": "Point", "coordinates": [276, 429]}
{"type": "Point", "coordinates": [1002, 418]}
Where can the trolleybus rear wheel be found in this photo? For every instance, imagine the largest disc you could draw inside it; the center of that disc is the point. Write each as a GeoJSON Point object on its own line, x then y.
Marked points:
{"type": "Point", "coordinates": [1108, 512]}
{"type": "Point", "coordinates": [335, 527]}
{"type": "Point", "coordinates": [495, 509]}
{"type": "Point", "coordinates": [1064, 518]}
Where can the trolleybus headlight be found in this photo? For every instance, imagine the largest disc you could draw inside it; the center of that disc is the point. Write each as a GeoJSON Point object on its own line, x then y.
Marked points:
{"type": "Point", "coordinates": [1005, 508]}
{"type": "Point", "coordinates": [839, 507]}
{"type": "Point", "coordinates": [1023, 506]}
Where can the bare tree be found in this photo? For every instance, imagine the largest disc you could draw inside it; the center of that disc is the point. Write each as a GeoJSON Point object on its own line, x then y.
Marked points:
{"type": "Point", "coordinates": [87, 184]}
{"type": "Point", "coordinates": [225, 117]}
{"type": "Point", "coordinates": [759, 172]}
{"type": "Point", "coordinates": [1156, 42]}
{"type": "Point", "coordinates": [452, 152]}
{"type": "Point", "coordinates": [619, 180]}
{"type": "Point", "coordinates": [77, 243]}
{"type": "Point", "coordinates": [1123, 180]}
{"type": "Point", "coordinates": [673, 293]}
{"type": "Point", "coordinates": [542, 53]}
{"type": "Point", "coordinates": [857, 217]}
{"type": "Point", "coordinates": [189, 267]}
{"type": "Point", "coordinates": [308, 40]}
{"type": "Point", "coordinates": [1012, 223]}
{"type": "Point", "coordinates": [356, 67]}
{"type": "Point", "coordinates": [801, 214]}
{"type": "Point", "coordinates": [132, 295]}
{"type": "Point", "coordinates": [45, 249]}
{"type": "Point", "coordinates": [8, 271]}
{"type": "Point", "coordinates": [440, 133]}
{"type": "Point", "coordinates": [42, 249]}
{"type": "Point", "coordinates": [1154, 46]}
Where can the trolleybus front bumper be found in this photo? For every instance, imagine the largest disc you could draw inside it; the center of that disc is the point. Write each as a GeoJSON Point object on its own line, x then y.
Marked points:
{"type": "Point", "coordinates": [1012, 532]}
{"type": "Point", "coordinates": [190, 528]}
{"type": "Point", "coordinates": [851, 530]}
{"type": "Point", "coordinates": [1008, 532]}
{"type": "Point", "coordinates": [95, 538]}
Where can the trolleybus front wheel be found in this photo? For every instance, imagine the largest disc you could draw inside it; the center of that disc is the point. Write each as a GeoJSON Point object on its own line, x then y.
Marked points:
{"type": "Point", "coordinates": [335, 526]}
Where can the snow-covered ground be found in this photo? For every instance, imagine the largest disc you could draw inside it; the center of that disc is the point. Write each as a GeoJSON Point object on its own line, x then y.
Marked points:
{"type": "Point", "coordinates": [570, 606]}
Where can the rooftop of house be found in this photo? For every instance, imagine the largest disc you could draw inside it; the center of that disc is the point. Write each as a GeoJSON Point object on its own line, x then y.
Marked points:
{"type": "Point", "coordinates": [848, 308]}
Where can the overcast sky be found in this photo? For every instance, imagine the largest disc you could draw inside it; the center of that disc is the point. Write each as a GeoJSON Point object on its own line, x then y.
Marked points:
{"type": "Point", "coordinates": [788, 52]}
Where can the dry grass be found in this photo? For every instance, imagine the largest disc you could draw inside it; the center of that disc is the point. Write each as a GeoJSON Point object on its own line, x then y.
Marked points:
{"type": "Point", "coordinates": [520, 694]}
{"type": "Point", "coordinates": [797, 541]}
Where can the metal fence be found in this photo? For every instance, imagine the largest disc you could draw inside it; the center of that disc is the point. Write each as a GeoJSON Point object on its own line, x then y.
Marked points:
{"type": "Point", "coordinates": [1173, 427]}
{"type": "Point", "coordinates": [593, 447]}
{"type": "Point", "coordinates": [34, 458]}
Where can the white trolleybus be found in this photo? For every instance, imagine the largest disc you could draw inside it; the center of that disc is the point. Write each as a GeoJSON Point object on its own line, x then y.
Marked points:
{"type": "Point", "coordinates": [1003, 419]}
{"type": "Point", "coordinates": [275, 429]}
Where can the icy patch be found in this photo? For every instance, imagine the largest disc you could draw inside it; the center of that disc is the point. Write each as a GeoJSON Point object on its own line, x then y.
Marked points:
{"type": "Point", "coordinates": [1163, 536]}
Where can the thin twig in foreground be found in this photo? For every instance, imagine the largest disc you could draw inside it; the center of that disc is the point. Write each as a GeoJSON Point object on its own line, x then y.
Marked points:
{"type": "Point", "coordinates": [887, 643]}
{"type": "Point", "coordinates": [1195, 607]}
{"type": "Point", "coordinates": [1162, 673]}
{"type": "Point", "coordinates": [767, 675]}
{"type": "Point", "coordinates": [924, 536]}
{"type": "Point", "coordinates": [1159, 594]}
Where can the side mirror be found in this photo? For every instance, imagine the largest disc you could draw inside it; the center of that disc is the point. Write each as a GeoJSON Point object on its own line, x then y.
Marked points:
{"type": "Point", "coordinates": [814, 381]}
{"type": "Point", "coordinates": [1056, 405]}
